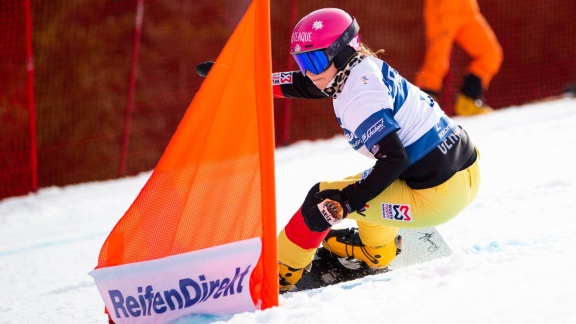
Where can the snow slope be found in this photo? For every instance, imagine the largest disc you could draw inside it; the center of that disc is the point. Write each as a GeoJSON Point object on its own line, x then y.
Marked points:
{"type": "Point", "coordinates": [513, 247]}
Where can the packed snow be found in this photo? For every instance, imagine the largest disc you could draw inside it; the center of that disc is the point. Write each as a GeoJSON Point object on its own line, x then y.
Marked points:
{"type": "Point", "coordinates": [514, 246]}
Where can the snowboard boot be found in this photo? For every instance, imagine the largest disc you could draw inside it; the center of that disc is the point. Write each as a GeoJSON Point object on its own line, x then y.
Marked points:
{"type": "Point", "coordinates": [346, 243]}
{"type": "Point", "coordinates": [466, 106]}
{"type": "Point", "coordinates": [469, 100]}
{"type": "Point", "coordinates": [288, 276]}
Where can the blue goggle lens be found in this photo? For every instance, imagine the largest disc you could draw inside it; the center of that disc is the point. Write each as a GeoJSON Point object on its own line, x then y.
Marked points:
{"type": "Point", "coordinates": [315, 62]}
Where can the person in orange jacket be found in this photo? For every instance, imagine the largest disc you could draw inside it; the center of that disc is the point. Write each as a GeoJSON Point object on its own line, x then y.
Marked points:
{"type": "Point", "coordinates": [460, 21]}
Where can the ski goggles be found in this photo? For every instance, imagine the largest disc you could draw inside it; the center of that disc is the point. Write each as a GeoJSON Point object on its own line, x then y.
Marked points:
{"type": "Point", "coordinates": [315, 61]}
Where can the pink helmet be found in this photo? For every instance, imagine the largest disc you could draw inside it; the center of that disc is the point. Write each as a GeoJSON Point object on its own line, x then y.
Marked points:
{"type": "Point", "coordinates": [328, 29]}
{"type": "Point", "coordinates": [321, 28]}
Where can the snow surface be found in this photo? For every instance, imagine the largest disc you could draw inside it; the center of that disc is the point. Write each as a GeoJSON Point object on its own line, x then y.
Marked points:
{"type": "Point", "coordinates": [514, 247]}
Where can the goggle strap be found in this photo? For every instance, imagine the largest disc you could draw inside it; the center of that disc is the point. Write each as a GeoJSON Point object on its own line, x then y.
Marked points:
{"type": "Point", "coordinates": [343, 40]}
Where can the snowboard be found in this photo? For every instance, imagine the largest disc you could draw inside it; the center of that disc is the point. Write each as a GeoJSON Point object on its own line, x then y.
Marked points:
{"type": "Point", "coordinates": [418, 246]}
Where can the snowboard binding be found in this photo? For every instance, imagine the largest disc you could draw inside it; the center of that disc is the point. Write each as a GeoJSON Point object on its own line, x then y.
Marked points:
{"type": "Point", "coordinates": [329, 269]}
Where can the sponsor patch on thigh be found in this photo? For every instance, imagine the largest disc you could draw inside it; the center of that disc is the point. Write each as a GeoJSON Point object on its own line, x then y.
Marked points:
{"type": "Point", "coordinates": [396, 212]}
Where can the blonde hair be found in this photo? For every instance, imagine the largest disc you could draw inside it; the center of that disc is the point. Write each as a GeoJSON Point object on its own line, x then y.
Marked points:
{"type": "Point", "coordinates": [364, 49]}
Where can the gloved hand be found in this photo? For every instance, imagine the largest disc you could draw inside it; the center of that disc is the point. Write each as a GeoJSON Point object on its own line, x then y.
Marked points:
{"type": "Point", "coordinates": [203, 68]}
{"type": "Point", "coordinates": [331, 210]}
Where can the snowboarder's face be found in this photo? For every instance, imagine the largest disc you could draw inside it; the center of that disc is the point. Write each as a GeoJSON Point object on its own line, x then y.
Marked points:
{"type": "Point", "coordinates": [321, 80]}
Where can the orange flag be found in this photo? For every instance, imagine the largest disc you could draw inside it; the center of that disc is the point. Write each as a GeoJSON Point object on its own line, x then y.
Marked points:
{"type": "Point", "coordinates": [213, 186]}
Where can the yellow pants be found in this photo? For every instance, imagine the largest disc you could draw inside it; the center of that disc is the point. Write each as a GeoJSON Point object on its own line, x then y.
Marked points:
{"type": "Point", "coordinates": [398, 206]}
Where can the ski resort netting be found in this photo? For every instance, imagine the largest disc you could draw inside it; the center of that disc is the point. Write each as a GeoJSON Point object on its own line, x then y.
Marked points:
{"type": "Point", "coordinates": [94, 90]}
